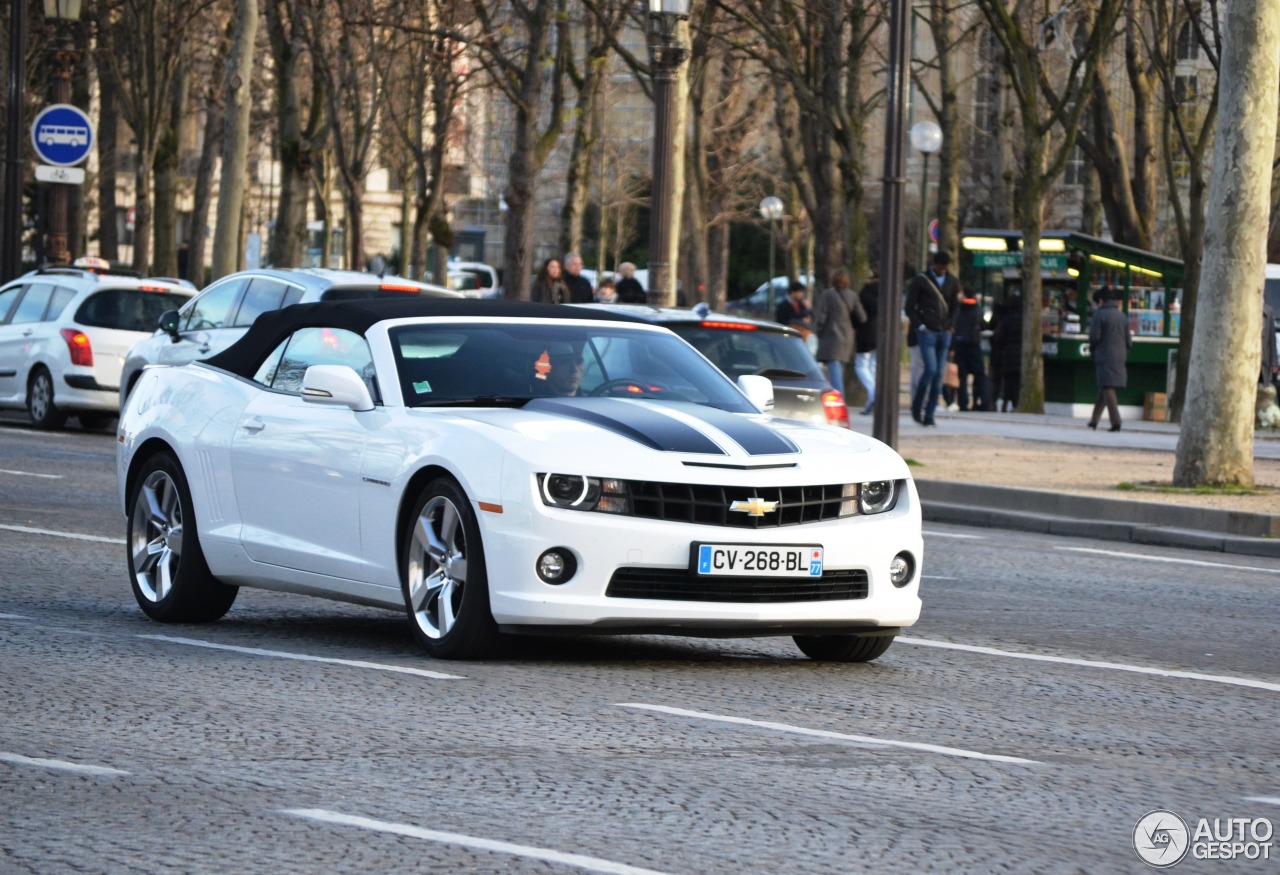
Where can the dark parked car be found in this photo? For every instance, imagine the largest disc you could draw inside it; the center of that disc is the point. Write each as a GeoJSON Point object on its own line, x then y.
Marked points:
{"type": "Point", "coordinates": [740, 346]}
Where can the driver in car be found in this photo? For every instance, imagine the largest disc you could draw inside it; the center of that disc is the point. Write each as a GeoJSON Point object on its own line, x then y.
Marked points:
{"type": "Point", "coordinates": [559, 368]}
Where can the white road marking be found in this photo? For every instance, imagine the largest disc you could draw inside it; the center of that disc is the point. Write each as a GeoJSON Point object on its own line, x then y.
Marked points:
{"type": "Point", "coordinates": [303, 657]}
{"type": "Point", "coordinates": [1265, 800]}
{"type": "Point", "coordinates": [13, 617]}
{"type": "Point", "coordinates": [60, 765]}
{"type": "Point", "coordinates": [78, 537]}
{"type": "Point", "coordinates": [1151, 558]}
{"type": "Point", "coordinates": [955, 535]}
{"type": "Point", "coordinates": [580, 861]}
{"type": "Point", "coordinates": [30, 474]}
{"type": "Point", "coordinates": [939, 577]}
{"type": "Point", "coordinates": [823, 733]}
{"type": "Point", "coordinates": [1088, 663]}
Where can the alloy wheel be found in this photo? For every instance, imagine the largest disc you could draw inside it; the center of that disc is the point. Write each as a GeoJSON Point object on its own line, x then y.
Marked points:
{"type": "Point", "coordinates": [437, 567]}
{"type": "Point", "coordinates": [155, 536]}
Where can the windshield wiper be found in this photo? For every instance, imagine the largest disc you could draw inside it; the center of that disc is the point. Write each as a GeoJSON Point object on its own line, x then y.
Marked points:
{"type": "Point", "coordinates": [478, 401]}
{"type": "Point", "coordinates": [781, 373]}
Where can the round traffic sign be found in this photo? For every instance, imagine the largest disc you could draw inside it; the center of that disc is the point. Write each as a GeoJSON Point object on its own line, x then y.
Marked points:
{"type": "Point", "coordinates": [62, 135]}
{"type": "Point", "coordinates": [933, 230]}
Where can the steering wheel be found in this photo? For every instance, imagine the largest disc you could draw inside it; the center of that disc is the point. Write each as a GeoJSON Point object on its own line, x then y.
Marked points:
{"type": "Point", "coordinates": [636, 387]}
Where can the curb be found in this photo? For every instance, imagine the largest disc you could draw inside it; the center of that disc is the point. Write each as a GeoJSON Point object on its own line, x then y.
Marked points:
{"type": "Point", "coordinates": [1109, 519]}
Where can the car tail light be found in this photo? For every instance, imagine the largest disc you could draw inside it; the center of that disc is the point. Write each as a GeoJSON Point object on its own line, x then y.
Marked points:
{"type": "Point", "coordinates": [78, 343]}
{"type": "Point", "coordinates": [398, 287]}
{"type": "Point", "coordinates": [833, 406]}
{"type": "Point", "coordinates": [731, 326]}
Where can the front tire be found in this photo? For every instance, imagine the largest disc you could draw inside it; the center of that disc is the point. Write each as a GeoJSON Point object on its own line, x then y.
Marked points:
{"type": "Point", "coordinates": [843, 648]}
{"type": "Point", "coordinates": [44, 413]}
{"type": "Point", "coordinates": [167, 570]}
{"type": "Point", "coordinates": [444, 579]}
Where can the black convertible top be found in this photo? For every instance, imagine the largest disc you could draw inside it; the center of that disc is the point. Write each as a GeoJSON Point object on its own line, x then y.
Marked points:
{"type": "Point", "coordinates": [245, 355]}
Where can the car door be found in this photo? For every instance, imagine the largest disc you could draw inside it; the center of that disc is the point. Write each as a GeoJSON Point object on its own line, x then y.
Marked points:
{"type": "Point", "coordinates": [22, 334]}
{"type": "Point", "coordinates": [295, 465]}
{"type": "Point", "coordinates": [9, 388]}
{"type": "Point", "coordinates": [205, 324]}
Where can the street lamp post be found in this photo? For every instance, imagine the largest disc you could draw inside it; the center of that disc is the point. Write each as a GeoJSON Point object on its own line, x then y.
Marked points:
{"type": "Point", "coordinates": [771, 209]}
{"type": "Point", "coordinates": [926, 137]}
{"type": "Point", "coordinates": [665, 57]}
{"type": "Point", "coordinates": [61, 13]}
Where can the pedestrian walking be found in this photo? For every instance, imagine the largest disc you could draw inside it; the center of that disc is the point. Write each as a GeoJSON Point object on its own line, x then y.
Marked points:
{"type": "Point", "coordinates": [930, 305]}
{"type": "Point", "coordinates": [548, 286]}
{"type": "Point", "coordinates": [967, 351]}
{"type": "Point", "coordinates": [1109, 342]}
{"type": "Point", "coordinates": [1006, 353]}
{"type": "Point", "coordinates": [835, 314]}
{"type": "Point", "coordinates": [864, 338]}
{"type": "Point", "coordinates": [629, 289]}
{"type": "Point", "coordinates": [793, 311]}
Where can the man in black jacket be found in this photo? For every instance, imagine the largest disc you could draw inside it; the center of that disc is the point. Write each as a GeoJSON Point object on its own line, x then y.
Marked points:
{"type": "Point", "coordinates": [968, 352]}
{"type": "Point", "coordinates": [931, 306]}
{"type": "Point", "coordinates": [580, 291]}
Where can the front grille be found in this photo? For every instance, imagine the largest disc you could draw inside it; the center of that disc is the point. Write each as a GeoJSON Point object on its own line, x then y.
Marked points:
{"type": "Point", "coordinates": [681, 585]}
{"type": "Point", "coordinates": [709, 505]}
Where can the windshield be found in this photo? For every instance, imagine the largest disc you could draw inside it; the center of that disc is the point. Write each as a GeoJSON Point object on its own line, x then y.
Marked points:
{"type": "Point", "coordinates": [510, 363]}
{"type": "Point", "coordinates": [741, 351]}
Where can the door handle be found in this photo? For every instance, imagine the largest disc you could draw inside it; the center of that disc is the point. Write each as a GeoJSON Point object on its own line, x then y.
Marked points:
{"type": "Point", "coordinates": [28, 332]}
{"type": "Point", "coordinates": [253, 424]}
{"type": "Point", "coordinates": [203, 349]}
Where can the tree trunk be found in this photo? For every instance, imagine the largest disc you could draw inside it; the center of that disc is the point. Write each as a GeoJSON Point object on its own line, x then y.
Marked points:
{"type": "Point", "coordinates": [142, 211]}
{"type": "Point", "coordinates": [1031, 215]}
{"type": "Point", "coordinates": [518, 263]}
{"type": "Point", "coordinates": [420, 225]}
{"type": "Point", "coordinates": [717, 264]}
{"type": "Point", "coordinates": [209, 151]}
{"type": "Point", "coordinates": [1192, 268]}
{"type": "Point", "coordinates": [235, 144]}
{"type": "Point", "coordinates": [289, 239]}
{"type": "Point", "coordinates": [1215, 444]}
{"type": "Point", "coordinates": [353, 192]}
{"type": "Point", "coordinates": [108, 168]}
{"type": "Point", "coordinates": [167, 158]}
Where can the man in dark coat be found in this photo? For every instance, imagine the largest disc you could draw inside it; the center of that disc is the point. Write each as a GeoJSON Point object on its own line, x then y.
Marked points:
{"type": "Point", "coordinates": [580, 291]}
{"type": "Point", "coordinates": [931, 306]}
{"type": "Point", "coordinates": [835, 313]}
{"type": "Point", "coordinates": [968, 353]}
{"type": "Point", "coordinates": [629, 289]}
{"type": "Point", "coordinates": [1109, 342]}
{"type": "Point", "coordinates": [793, 311]}
{"type": "Point", "coordinates": [864, 338]}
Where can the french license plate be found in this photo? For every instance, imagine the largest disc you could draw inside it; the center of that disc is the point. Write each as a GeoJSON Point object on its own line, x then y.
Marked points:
{"type": "Point", "coordinates": [753, 560]}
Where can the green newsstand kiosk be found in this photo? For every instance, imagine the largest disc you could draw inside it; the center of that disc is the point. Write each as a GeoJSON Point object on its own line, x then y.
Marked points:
{"type": "Point", "coordinates": [1073, 267]}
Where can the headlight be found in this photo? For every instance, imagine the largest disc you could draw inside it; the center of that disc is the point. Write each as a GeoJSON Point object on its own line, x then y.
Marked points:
{"type": "Point", "coordinates": [578, 492]}
{"type": "Point", "coordinates": [877, 496]}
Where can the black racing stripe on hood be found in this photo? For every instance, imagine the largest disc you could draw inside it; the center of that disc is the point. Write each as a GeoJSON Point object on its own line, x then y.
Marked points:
{"type": "Point", "coordinates": [634, 420]}
{"type": "Point", "coordinates": [756, 438]}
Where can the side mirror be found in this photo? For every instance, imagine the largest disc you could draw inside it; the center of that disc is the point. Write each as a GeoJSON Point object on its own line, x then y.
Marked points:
{"type": "Point", "coordinates": [336, 386]}
{"type": "Point", "coordinates": [169, 324]}
{"type": "Point", "coordinates": [759, 391]}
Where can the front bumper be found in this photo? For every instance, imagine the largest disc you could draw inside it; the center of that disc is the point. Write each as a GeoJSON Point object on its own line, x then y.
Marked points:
{"type": "Point", "coordinates": [601, 543]}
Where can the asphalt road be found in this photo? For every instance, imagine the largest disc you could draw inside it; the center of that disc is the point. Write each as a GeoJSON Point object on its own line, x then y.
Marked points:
{"type": "Point", "coordinates": [1054, 692]}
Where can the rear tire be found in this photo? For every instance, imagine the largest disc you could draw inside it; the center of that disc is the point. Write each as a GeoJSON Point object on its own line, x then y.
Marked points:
{"type": "Point", "coordinates": [44, 413]}
{"type": "Point", "coordinates": [843, 648]}
{"type": "Point", "coordinates": [167, 570]}
{"type": "Point", "coordinates": [443, 576]}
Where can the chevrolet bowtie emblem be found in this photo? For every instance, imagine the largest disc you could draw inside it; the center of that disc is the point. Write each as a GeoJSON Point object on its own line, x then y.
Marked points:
{"type": "Point", "coordinates": [754, 506]}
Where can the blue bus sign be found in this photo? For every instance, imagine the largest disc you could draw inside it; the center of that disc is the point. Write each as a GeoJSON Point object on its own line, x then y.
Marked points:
{"type": "Point", "coordinates": [62, 135]}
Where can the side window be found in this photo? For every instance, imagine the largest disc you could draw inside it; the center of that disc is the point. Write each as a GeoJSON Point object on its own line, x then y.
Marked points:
{"type": "Point", "coordinates": [32, 306]}
{"type": "Point", "coordinates": [61, 297]}
{"type": "Point", "coordinates": [212, 307]}
{"type": "Point", "coordinates": [7, 299]}
{"type": "Point", "coordinates": [267, 372]}
{"type": "Point", "coordinates": [319, 346]}
{"type": "Point", "coordinates": [264, 294]}
{"type": "Point", "coordinates": [292, 295]}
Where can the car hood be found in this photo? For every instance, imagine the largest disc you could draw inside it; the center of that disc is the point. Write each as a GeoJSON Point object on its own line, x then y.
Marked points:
{"type": "Point", "coordinates": [652, 435]}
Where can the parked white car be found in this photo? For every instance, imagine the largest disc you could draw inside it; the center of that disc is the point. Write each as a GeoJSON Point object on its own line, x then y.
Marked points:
{"type": "Point", "coordinates": [64, 333]}
{"type": "Point", "coordinates": [224, 310]}
{"type": "Point", "coordinates": [494, 467]}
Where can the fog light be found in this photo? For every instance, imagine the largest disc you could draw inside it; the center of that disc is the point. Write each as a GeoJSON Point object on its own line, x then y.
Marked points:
{"type": "Point", "coordinates": [556, 566]}
{"type": "Point", "coordinates": [901, 569]}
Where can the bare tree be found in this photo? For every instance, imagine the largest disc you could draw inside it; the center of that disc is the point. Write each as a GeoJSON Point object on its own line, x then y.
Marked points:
{"type": "Point", "coordinates": [144, 42]}
{"type": "Point", "coordinates": [168, 158]}
{"type": "Point", "coordinates": [524, 47]}
{"type": "Point", "coordinates": [1044, 107]}
{"type": "Point", "coordinates": [1215, 443]}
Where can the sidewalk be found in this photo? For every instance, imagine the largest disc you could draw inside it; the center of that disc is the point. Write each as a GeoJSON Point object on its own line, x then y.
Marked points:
{"type": "Point", "coordinates": [1052, 474]}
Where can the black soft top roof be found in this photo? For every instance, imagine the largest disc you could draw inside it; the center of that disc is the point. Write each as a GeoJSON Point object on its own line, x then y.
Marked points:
{"type": "Point", "coordinates": [245, 355]}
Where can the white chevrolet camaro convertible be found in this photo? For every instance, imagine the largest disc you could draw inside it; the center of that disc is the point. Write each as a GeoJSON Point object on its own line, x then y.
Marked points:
{"type": "Point", "coordinates": [500, 467]}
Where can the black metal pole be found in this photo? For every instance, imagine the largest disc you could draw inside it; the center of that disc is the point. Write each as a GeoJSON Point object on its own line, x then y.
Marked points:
{"type": "Point", "coordinates": [889, 320]}
{"type": "Point", "coordinates": [11, 251]}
